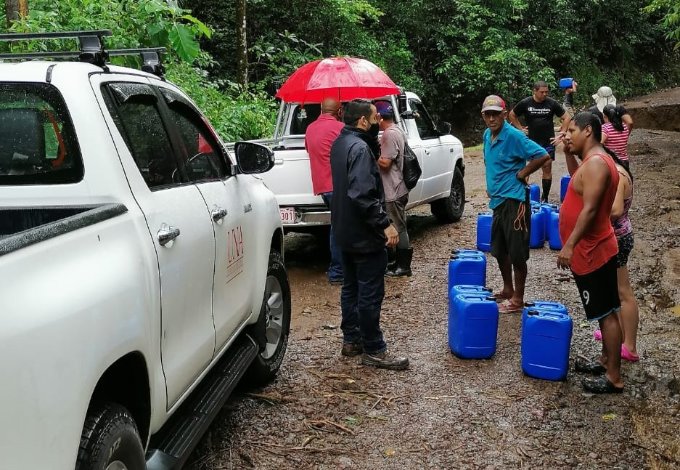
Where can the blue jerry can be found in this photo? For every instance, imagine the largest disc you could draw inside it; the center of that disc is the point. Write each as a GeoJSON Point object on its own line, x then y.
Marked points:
{"type": "Point", "coordinates": [473, 326]}
{"type": "Point", "coordinates": [534, 192]}
{"type": "Point", "coordinates": [537, 233]}
{"type": "Point", "coordinates": [484, 220]}
{"type": "Point", "coordinates": [467, 289]}
{"type": "Point", "coordinates": [554, 240]}
{"type": "Point", "coordinates": [546, 339]}
{"type": "Point", "coordinates": [467, 269]}
{"type": "Point", "coordinates": [564, 184]}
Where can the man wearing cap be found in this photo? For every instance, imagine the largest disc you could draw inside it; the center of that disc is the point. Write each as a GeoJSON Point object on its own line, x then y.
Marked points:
{"type": "Point", "coordinates": [391, 164]}
{"type": "Point", "coordinates": [506, 153]}
{"type": "Point", "coordinates": [538, 111]}
{"type": "Point", "coordinates": [319, 137]}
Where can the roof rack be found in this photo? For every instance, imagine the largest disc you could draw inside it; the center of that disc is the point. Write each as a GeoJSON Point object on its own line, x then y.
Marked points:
{"type": "Point", "coordinates": [91, 49]}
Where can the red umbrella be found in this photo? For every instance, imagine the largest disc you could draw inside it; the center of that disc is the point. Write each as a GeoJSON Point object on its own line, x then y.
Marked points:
{"type": "Point", "coordinates": [343, 78]}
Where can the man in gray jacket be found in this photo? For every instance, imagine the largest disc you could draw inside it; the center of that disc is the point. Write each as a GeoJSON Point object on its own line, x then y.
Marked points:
{"type": "Point", "coordinates": [362, 229]}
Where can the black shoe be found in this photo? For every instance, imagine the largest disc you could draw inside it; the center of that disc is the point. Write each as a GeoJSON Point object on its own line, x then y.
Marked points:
{"type": "Point", "coordinates": [404, 257]}
{"type": "Point", "coordinates": [585, 366]}
{"type": "Point", "coordinates": [391, 260]}
{"type": "Point", "coordinates": [600, 384]}
{"type": "Point", "coordinates": [351, 349]}
{"type": "Point", "coordinates": [384, 361]}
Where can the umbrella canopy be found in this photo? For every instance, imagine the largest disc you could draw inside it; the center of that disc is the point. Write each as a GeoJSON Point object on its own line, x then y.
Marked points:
{"type": "Point", "coordinates": [343, 78]}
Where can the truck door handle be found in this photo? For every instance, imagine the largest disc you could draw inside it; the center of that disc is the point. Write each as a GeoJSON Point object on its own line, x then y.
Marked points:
{"type": "Point", "coordinates": [278, 161]}
{"type": "Point", "coordinates": [218, 214]}
{"type": "Point", "coordinates": [427, 152]}
{"type": "Point", "coordinates": [167, 234]}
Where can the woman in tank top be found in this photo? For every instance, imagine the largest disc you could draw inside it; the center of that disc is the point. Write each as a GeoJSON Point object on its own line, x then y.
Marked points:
{"type": "Point", "coordinates": [616, 131]}
{"type": "Point", "coordinates": [623, 229]}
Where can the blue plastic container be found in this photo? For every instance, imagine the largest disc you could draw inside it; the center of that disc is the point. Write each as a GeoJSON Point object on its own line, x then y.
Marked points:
{"type": "Point", "coordinates": [546, 340]}
{"type": "Point", "coordinates": [534, 192]}
{"type": "Point", "coordinates": [566, 82]}
{"type": "Point", "coordinates": [547, 209]}
{"type": "Point", "coordinates": [473, 326]}
{"type": "Point", "coordinates": [537, 233]}
{"type": "Point", "coordinates": [544, 306]}
{"type": "Point", "coordinates": [554, 240]}
{"type": "Point", "coordinates": [467, 289]}
{"type": "Point", "coordinates": [564, 184]}
{"type": "Point", "coordinates": [466, 253]}
{"type": "Point", "coordinates": [467, 270]}
{"type": "Point", "coordinates": [484, 220]}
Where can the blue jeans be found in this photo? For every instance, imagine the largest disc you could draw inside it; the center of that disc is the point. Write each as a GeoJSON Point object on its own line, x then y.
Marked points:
{"type": "Point", "coordinates": [361, 299]}
{"type": "Point", "coordinates": [335, 268]}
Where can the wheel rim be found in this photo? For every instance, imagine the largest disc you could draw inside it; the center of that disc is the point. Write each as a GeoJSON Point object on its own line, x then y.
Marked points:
{"type": "Point", "coordinates": [274, 311]}
{"type": "Point", "coordinates": [117, 465]}
{"type": "Point", "coordinates": [456, 195]}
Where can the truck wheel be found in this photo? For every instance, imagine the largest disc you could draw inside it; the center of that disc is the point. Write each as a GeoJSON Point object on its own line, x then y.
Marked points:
{"type": "Point", "coordinates": [110, 440]}
{"type": "Point", "coordinates": [450, 209]}
{"type": "Point", "coordinates": [276, 311]}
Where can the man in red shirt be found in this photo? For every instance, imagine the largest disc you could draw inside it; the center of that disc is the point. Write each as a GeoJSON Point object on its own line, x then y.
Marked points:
{"type": "Point", "coordinates": [590, 246]}
{"type": "Point", "coordinates": [319, 137]}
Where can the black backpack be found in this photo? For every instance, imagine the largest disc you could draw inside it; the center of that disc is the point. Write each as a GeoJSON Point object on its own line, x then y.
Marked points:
{"type": "Point", "coordinates": [411, 169]}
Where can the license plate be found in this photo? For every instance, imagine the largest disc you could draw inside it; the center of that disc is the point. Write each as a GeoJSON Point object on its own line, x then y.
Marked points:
{"type": "Point", "coordinates": [287, 215]}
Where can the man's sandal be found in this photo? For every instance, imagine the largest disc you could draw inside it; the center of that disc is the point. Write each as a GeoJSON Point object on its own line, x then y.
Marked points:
{"type": "Point", "coordinates": [600, 384]}
{"type": "Point", "coordinates": [509, 307]}
{"type": "Point", "coordinates": [585, 366]}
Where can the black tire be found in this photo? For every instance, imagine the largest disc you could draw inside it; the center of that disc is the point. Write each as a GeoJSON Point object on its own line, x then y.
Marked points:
{"type": "Point", "coordinates": [110, 436]}
{"type": "Point", "coordinates": [276, 309]}
{"type": "Point", "coordinates": [450, 209]}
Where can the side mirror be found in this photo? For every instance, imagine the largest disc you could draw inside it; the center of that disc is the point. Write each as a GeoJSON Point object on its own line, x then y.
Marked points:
{"type": "Point", "coordinates": [402, 103]}
{"type": "Point", "coordinates": [253, 158]}
{"type": "Point", "coordinates": [444, 128]}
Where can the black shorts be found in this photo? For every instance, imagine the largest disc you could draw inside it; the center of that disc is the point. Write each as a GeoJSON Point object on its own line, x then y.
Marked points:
{"type": "Point", "coordinates": [510, 230]}
{"type": "Point", "coordinates": [550, 150]}
{"type": "Point", "coordinates": [625, 247]}
{"type": "Point", "coordinates": [599, 291]}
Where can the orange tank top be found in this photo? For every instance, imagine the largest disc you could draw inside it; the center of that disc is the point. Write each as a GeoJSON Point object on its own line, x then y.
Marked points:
{"type": "Point", "coordinates": [597, 246]}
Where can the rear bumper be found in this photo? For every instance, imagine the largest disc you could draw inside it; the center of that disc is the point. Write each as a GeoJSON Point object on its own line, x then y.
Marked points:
{"type": "Point", "coordinates": [307, 217]}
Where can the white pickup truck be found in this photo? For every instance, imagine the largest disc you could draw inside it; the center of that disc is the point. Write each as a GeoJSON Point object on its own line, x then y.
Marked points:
{"type": "Point", "coordinates": [141, 267]}
{"type": "Point", "coordinates": [439, 153]}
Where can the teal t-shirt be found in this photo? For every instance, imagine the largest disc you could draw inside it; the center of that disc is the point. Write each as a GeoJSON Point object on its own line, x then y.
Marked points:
{"type": "Point", "coordinates": [503, 158]}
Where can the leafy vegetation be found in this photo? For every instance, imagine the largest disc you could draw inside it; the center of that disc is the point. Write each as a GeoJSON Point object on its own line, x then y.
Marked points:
{"type": "Point", "coordinates": [453, 52]}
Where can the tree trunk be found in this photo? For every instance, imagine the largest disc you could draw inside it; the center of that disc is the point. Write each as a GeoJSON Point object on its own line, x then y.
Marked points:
{"type": "Point", "coordinates": [241, 42]}
{"type": "Point", "coordinates": [15, 9]}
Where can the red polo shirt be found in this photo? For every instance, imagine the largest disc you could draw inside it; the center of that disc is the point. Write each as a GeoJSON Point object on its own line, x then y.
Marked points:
{"type": "Point", "coordinates": [319, 138]}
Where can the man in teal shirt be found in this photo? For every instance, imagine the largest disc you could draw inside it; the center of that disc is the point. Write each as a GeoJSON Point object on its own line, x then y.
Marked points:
{"type": "Point", "coordinates": [506, 153]}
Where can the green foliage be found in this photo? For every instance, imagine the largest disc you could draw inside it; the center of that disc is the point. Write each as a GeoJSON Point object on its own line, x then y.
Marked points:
{"type": "Point", "coordinates": [671, 19]}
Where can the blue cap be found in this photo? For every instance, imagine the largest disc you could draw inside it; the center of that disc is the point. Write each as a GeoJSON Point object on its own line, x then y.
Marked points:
{"type": "Point", "coordinates": [385, 109]}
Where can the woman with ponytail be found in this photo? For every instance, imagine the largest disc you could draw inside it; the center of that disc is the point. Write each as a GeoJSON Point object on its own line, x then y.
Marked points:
{"type": "Point", "coordinates": [616, 130]}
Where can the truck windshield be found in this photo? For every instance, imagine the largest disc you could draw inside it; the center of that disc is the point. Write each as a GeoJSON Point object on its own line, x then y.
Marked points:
{"type": "Point", "coordinates": [37, 141]}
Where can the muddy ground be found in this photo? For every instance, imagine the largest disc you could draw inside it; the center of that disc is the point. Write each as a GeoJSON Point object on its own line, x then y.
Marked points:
{"type": "Point", "coordinates": [326, 411]}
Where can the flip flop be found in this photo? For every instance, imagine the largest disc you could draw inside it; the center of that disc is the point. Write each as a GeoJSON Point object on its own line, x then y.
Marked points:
{"type": "Point", "coordinates": [597, 334]}
{"type": "Point", "coordinates": [585, 366]}
{"type": "Point", "coordinates": [600, 384]}
{"type": "Point", "coordinates": [509, 307]}
{"type": "Point", "coordinates": [500, 297]}
{"type": "Point", "coordinates": [627, 355]}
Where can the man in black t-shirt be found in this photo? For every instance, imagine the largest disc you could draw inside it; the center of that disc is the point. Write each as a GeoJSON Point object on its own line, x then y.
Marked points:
{"type": "Point", "coordinates": [538, 111]}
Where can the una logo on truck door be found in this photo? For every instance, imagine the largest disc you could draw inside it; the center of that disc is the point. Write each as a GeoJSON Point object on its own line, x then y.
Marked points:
{"type": "Point", "coordinates": [235, 250]}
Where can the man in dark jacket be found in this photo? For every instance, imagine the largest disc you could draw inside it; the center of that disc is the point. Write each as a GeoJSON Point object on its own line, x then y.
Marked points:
{"type": "Point", "coordinates": [362, 229]}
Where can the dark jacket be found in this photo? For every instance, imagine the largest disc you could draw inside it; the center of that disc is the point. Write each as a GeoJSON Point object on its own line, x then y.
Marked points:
{"type": "Point", "coordinates": [358, 215]}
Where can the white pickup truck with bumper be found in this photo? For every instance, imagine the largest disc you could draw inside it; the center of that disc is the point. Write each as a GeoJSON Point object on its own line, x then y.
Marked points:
{"type": "Point", "coordinates": [439, 153]}
{"type": "Point", "coordinates": [142, 268]}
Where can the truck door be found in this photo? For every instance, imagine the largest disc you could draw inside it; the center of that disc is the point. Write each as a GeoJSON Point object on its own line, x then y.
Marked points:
{"type": "Point", "coordinates": [229, 207]}
{"type": "Point", "coordinates": [179, 226]}
{"type": "Point", "coordinates": [437, 165]}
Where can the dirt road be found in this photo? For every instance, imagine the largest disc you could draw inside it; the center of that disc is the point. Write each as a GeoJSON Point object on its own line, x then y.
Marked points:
{"type": "Point", "coordinates": [326, 411]}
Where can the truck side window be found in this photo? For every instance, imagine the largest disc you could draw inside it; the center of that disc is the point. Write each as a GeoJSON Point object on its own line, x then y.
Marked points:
{"type": "Point", "coordinates": [37, 141]}
{"type": "Point", "coordinates": [424, 123]}
{"type": "Point", "coordinates": [133, 107]}
{"type": "Point", "coordinates": [200, 152]}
